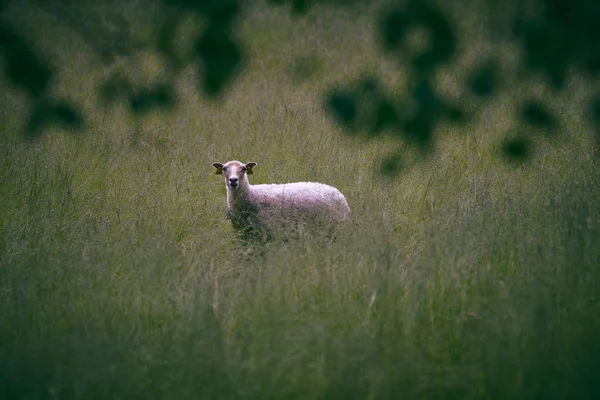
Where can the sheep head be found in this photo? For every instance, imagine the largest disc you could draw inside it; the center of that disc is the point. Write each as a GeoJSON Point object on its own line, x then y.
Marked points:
{"type": "Point", "coordinates": [235, 172]}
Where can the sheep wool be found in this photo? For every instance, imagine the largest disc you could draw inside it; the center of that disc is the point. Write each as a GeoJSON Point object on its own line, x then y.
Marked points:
{"type": "Point", "coordinates": [262, 211]}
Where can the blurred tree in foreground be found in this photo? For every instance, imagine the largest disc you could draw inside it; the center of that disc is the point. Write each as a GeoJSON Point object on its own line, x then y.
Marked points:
{"type": "Point", "coordinates": [557, 38]}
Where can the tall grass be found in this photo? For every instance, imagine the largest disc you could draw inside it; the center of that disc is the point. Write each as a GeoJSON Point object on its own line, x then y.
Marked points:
{"type": "Point", "coordinates": [120, 277]}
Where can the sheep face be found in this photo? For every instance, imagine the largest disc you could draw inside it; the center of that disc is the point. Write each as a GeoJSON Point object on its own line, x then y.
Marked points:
{"type": "Point", "coordinates": [235, 173]}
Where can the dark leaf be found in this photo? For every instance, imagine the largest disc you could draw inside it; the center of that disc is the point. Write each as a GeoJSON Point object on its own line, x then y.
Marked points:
{"type": "Point", "coordinates": [548, 51]}
{"type": "Point", "coordinates": [419, 129]}
{"type": "Point", "coordinates": [391, 165]}
{"type": "Point", "coordinates": [443, 41]}
{"type": "Point", "coordinates": [393, 29]}
{"type": "Point", "coordinates": [428, 110]}
{"type": "Point", "coordinates": [166, 33]}
{"type": "Point", "coordinates": [221, 58]}
{"type": "Point", "coordinates": [484, 80]}
{"type": "Point", "coordinates": [517, 149]}
{"type": "Point", "coordinates": [22, 64]}
{"type": "Point", "coordinates": [595, 109]}
{"type": "Point", "coordinates": [369, 85]}
{"type": "Point", "coordinates": [300, 7]}
{"type": "Point", "coordinates": [148, 99]}
{"type": "Point", "coordinates": [537, 115]}
{"type": "Point", "coordinates": [424, 94]}
{"type": "Point", "coordinates": [36, 121]}
{"type": "Point", "coordinates": [557, 73]}
{"type": "Point", "coordinates": [190, 5]}
{"type": "Point", "coordinates": [538, 47]}
{"type": "Point", "coordinates": [67, 116]}
{"type": "Point", "coordinates": [223, 12]}
{"type": "Point", "coordinates": [455, 114]}
{"type": "Point", "coordinates": [386, 116]}
{"type": "Point", "coordinates": [343, 107]}
{"type": "Point", "coordinates": [45, 115]}
{"type": "Point", "coordinates": [592, 63]}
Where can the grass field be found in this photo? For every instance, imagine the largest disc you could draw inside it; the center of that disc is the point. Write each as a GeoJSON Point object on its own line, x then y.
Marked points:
{"type": "Point", "coordinates": [463, 278]}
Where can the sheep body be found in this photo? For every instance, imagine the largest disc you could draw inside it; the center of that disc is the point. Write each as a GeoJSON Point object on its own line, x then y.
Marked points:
{"type": "Point", "coordinates": [264, 210]}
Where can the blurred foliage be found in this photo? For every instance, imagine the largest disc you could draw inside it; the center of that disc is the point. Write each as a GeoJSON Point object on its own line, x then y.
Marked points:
{"type": "Point", "coordinates": [27, 71]}
{"type": "Point", "coordinates": [557, 37]}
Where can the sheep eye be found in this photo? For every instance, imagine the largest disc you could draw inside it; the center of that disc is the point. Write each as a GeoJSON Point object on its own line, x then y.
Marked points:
{"type": "Point", "coordinates": [243, 169]}
{"type": "Point", "coordinates": [224, 169]}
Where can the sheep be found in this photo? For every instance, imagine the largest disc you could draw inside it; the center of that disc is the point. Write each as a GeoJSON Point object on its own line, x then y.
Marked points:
{"type": "Point", "coordinates": [260, 212]}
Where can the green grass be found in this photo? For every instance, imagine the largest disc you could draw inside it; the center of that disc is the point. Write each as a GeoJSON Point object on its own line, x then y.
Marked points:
{"type": "Point", "coordinates": [464, 277]}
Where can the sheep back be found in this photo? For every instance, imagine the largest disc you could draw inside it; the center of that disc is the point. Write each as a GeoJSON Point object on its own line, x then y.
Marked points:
{"type": "Point", "coordinates": [300, 202]}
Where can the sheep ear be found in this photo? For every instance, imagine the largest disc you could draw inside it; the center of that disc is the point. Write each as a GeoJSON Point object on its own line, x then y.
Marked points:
{"type": "Point", "coordinates": [219, 168]}
{"type": "Point", "coordinates": [249, 167]}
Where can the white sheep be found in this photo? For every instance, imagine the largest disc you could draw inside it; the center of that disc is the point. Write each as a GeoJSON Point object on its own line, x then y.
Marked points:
{"type": "Point", "coordinates": [261, 211]}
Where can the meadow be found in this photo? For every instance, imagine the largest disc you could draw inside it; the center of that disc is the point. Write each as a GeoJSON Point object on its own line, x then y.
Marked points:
{"type": "Point", "coordinates": [463, 277]}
